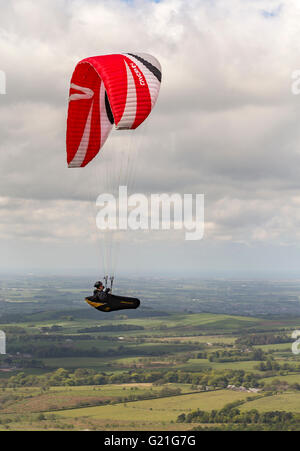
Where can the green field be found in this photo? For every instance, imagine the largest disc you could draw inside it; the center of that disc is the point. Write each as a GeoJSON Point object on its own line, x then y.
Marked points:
{"type": "Point", "coordinates": [284, 401]}
{"type": "Point", "coordinates": [156, 412]}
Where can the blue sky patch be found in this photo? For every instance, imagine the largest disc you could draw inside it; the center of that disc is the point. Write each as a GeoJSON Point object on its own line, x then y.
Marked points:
{"type": "Point", "coordinates": [272, 13]}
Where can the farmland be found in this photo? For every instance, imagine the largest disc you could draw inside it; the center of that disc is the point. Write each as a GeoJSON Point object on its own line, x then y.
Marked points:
{"type": "Point", "coordinates": [150, 370]}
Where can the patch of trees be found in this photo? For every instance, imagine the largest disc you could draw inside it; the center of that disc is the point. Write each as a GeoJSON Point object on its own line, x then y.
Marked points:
{"type": "Point", "coordinates": [278, 385]}
{"type": "Point", "coordinates": [83, 377]}
{"type": "Point", "coordinates": [230, 414]}
{"type": "Point", "coordinates": [42, 350]}
{"type": "Point", "coordinates": [20, 361]}
{"type": "Point", "coordinates": [271, 365]}
{"type": "Point", "coordinates": [263, 339]}
{"type": "Point", "coordinates": [237, 356]}
{"type": "Point", "coordinates": [277, 427]}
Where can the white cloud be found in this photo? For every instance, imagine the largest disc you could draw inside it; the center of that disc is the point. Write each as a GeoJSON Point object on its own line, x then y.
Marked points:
{"type": "Point", "coordinates": [225, 125]}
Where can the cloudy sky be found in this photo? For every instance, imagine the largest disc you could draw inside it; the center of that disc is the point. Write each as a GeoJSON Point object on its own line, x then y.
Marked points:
{"type": "Point", "coordinates": [226, 125]}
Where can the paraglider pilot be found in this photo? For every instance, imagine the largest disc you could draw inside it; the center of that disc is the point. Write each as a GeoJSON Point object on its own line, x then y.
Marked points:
{"type": "Point", "coordinates": [100, 293]}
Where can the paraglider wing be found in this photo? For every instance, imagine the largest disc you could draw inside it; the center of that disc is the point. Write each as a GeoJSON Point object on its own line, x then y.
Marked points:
{"type": "Point", "coordinates": [105, 90]}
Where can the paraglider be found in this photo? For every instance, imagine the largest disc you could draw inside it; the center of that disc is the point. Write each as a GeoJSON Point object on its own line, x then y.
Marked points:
{"type": "Point", "coordinates": [109, 91]}
{"type": "Point", "coordinates": [104, 301]}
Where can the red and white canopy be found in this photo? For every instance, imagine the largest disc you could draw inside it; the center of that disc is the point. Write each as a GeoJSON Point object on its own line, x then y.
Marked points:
{"type": "Point", "coordinates": [105, 90]}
